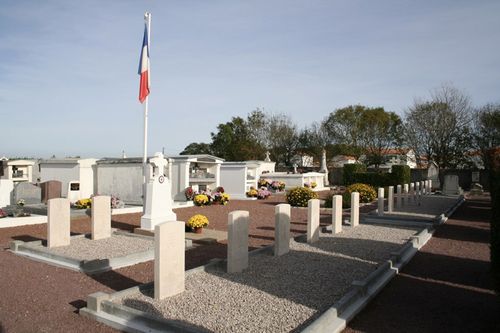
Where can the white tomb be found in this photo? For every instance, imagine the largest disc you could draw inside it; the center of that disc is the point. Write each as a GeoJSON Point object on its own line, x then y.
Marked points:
{"type": "Point", "coordinates": [200, 172]}
{"type": "Point", "coordinates": [70, 170]}
{"type": "Point", "coordinates": [238, 177]}
{"type": "Point", "coordinates": [17, 170]}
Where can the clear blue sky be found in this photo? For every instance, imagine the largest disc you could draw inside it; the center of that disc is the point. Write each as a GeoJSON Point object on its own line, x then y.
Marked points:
{"type": "Point", "coordinates": [69, 83]}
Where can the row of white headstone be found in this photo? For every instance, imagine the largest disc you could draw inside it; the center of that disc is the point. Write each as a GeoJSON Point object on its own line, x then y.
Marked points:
{"type": "Point", "coordinates": [59, 220]}
{"type": "Point", "coordinates": [169, 275]}
{"type": "Point", "coordinates": [405, 195]}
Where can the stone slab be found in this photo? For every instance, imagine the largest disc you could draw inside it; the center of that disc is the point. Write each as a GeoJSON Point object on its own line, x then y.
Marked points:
{"type": "Point", "coordinates": [59, 222]}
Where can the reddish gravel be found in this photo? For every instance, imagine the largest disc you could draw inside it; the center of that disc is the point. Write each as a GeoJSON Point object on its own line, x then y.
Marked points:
{"type": "Point", "coordinates": [446, 287]}
{"type": "Point", "coordinates": [36, 297]}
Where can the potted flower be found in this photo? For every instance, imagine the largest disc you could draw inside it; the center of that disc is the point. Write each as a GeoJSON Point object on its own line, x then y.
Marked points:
{"type": "Point", "coordinates": [197, 223]}
{"type": "Point", "coordinates": [253, 193]}
{"type": "Point", "coordinates": [314, 184]}
{"type": "Point", "coordinates": [189, 193]}
{"type": "Point", "coordinates": [263, 193]}
{"type": "Point", "coordinates": [3, 213]}
{"type": "Point", "coordinates": [201, 199]}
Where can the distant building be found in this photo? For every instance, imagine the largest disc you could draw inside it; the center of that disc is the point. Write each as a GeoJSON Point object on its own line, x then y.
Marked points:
{"type": "Point", "coordinates": [396, 157]}
{"type": "Point", "coordinates": [17, 170]}
{"type": "Point", "coordinates": [339, 161]}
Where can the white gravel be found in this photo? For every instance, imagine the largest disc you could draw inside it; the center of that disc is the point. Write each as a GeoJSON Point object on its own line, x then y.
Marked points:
{"type": "Point", "coordinates": [82, 248]}
{"type": "Point", "coordinates": [279, 294]}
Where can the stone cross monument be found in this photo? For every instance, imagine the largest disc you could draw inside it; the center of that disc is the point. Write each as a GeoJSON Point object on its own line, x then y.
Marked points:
{"type": "Point", "coordinates": [267, 159]}
{"type": "Point", "coordinates": [158, 195]}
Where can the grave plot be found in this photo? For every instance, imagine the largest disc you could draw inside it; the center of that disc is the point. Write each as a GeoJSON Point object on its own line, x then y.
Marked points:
{"type": "Point", "coordinates": [413, 204]}
{"type": "Point", "coordinates": [104, 249]}
{"type": "Point", "coordinates": [270, 289]}
{"type": "Point", "coordinates": [91, 256]}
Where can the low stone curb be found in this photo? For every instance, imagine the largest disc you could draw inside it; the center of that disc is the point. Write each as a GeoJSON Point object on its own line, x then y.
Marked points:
{"type": "Point", "coordinates": [362, 292]}
{"type": "Point", "coordinates": [32, 251]}
{"type": "Point", "coordinates": [100, 306]}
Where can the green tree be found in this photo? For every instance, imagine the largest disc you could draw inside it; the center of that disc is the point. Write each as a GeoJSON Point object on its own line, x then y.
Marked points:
{"type": "Point", "coordinates": [282, 138]}
{"type": "Point", "coordinates": [358, 130]}
{"type": "Point", "coordinates": [197, 148]}
{"type": "Point", "coordinates": [486, 131]}
{"type": "Point", "coordinates": [234, 141]}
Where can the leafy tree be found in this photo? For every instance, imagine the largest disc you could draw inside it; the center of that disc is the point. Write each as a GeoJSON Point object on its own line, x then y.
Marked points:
{"type": "Point", "coordinates": [439, 129]}
{"type": "Point", "coordinates": [362, 130]}
{"type": "Point", "coordinates": [197, 148]}
{"type": "Point", "coordinates": [235, 142]}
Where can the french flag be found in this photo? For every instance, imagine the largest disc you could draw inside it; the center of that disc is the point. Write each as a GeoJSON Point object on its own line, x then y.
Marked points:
{"type": "Point", "coordinates": [144, 67]}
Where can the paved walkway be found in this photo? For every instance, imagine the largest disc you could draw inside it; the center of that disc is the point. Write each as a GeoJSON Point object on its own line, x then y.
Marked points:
{"type": "Point", "coordinates": [446, 287]}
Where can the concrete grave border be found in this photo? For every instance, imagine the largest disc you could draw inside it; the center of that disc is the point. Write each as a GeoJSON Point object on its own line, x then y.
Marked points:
{"type": "Point", "coordinates": [100, 306]}
{"type": "Point", "coordinates": [32, 251]}
{"type": "Point", "coordinates": [9, 222]}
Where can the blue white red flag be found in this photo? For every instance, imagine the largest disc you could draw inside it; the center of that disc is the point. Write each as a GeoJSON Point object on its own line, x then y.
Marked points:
{"type": "Point", "coordinates": [144, 67]}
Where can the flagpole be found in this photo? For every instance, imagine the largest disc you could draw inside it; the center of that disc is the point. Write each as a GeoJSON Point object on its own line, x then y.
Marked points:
{"type": "Point", "coordinates": [147, 17]}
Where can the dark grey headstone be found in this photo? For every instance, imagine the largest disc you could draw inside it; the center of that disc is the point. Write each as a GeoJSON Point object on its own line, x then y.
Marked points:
{"type": "Point", "coordinates": [30, 193]}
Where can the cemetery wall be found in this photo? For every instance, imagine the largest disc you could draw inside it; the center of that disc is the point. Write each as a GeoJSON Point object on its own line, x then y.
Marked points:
{"type": "Point", "coordinates": [123, 180]}
{"type": "Point", "coordinates": [465, 177]}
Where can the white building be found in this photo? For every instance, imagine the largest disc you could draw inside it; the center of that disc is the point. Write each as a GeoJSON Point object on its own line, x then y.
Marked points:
{"type": "Point", "coordinates": [396, 157]}
{"type": "Point", "coordinates": [238, 177]}
{"type": "Point", "coordinates": [77, 176]}
{"type": "Point", "coordinates": [17, 170]}
{"type": "Point", "coordinates": [200, 172]}
{"type": "Point", "coordinates": [339, 161]}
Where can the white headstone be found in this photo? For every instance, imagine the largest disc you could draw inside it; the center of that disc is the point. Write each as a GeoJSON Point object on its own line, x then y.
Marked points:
{"type": "Point", "coordinates": [58, 226]}
{"type": "Point", "coordinates": [390, 199]}
{"type": "Point", "coordinates": [158, 195]}
{"type": "Point", "coordinates": [405, 194]}
{"type": "Point", "coordinates": [336, 214]}
{"type": "Point", "coordinates": [282, 229]}
{"type": "Point", "coordinates": [6, 192]}
{"type": "Point", "coordinates": [451, 186]}
{"type": "Point", "coordinates": [313, 220]}
{"type": "Point", "coordinates": [101, 217]}
{"type": "Point", "coordinates": [169, 264]}
{"type": "Point", "coordinates": [354, 209]}
{"type": "Point", "coordinates": [237, 241]}
{"type": "Point", "coordinates": [399, 196]}
{"type": "Point", "coordinates": [380, 201]}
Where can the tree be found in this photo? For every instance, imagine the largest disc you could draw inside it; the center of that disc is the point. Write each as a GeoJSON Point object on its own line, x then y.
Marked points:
{"type": "Point", "coordinates": [378, 131]}
{"type": "Point", "coordinates": [439, 129]}
{"type": "Point", "coordinates": [235, 142]}
{"type": "Point", "coordinates": [342, 126]}
{"type": "Point", "coordinates": [361, 130]}
{"type": "Point", "coordinates": [197, 148]}
{"type": "Point", "coordinates": [282, 138]}
{"type": "Point", "coordinates": [486, 130]}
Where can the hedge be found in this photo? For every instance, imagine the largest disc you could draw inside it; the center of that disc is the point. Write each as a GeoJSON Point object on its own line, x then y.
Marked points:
{"type": "Point", "coordinates": [400, 174]}
{"type": "Point", "coordinates": [350, 170]}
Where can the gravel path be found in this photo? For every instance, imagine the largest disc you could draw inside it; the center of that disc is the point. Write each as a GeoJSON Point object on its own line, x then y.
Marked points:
{"type": "Point", "coordinates": [83, 248]}
{"type": "Point", "coordinates": [279, 294]}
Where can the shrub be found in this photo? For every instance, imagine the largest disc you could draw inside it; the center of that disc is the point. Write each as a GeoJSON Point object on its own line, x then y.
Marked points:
{"type": "Point", "coordinates": [197, 221]}
{"type": "Point", "coordinates": [299, 196]}
{"type": "Point", "coordinates": [366, 192]}
{"type": "Point", "coordinates": [349, 170]}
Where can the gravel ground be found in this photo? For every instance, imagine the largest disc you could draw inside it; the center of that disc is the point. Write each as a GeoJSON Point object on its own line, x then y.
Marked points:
{"type": "Point", "coordinates": [279, 294]}
{"type": "Point", "coordinates": [83, 248]}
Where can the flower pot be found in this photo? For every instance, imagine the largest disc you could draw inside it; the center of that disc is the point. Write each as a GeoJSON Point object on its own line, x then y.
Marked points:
{"type": "Point", "coordinates": [197, 230]}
